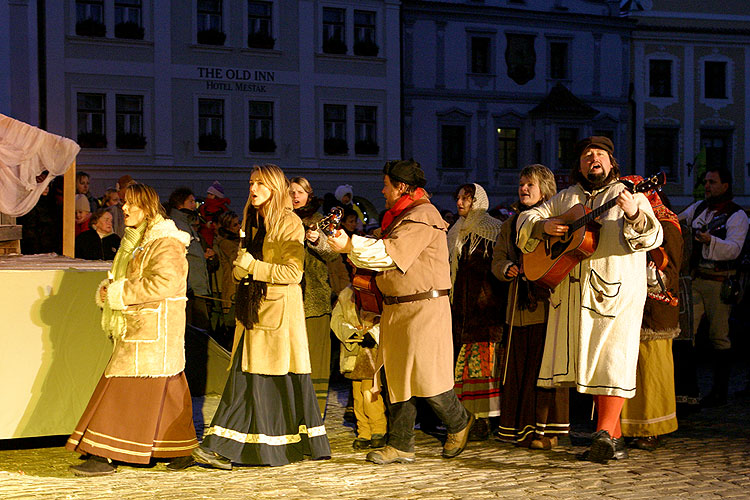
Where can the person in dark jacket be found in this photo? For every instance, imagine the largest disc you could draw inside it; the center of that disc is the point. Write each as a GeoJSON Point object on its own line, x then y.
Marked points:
{"type": "Point", "coordinates": [99, 242]}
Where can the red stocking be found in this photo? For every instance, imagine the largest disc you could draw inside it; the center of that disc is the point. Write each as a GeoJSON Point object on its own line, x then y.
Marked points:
{"type": "Point", "coordinates": [608, 410]}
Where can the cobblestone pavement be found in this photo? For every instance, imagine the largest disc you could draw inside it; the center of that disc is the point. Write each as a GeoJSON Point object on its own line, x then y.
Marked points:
{"type": "Point", "coordinates": [706, 458]}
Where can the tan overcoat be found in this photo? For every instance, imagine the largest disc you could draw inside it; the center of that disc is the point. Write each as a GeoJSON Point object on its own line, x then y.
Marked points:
{"type": "Point", "coordinates": [152, 299]}
{"type": "Point", "coordinates": [416, 345]}
{"type": "Point", "coordinates": [277, 344]}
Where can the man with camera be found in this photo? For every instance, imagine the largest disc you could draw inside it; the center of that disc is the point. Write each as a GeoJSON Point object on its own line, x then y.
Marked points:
{"type": "Point", "coordinates": [718, 227]}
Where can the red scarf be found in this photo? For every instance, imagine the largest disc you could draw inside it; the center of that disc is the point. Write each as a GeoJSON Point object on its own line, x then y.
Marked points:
{"type": "Point", "coordinates": [402, 204]}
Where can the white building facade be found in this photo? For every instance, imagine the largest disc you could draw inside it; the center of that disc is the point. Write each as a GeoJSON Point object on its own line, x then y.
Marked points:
{"type": "Point", "coordinates": [691, 86]}
{"type": "Point", "coordinates": [491, 86]}
{"type": "Point", "coordinates": [185, 93]}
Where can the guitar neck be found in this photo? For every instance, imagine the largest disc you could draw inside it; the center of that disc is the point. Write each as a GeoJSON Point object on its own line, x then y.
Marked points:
{"type": "Point", "coordinates": [576, 225]}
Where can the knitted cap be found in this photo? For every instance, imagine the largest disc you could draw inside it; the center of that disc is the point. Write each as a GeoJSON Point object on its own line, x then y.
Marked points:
{"type": "Point", "coordinates": [343, 190]}
{"type": "Point", "coordinates": [216, 189]}
{"type": "Point", "coordinates": [82, 203]}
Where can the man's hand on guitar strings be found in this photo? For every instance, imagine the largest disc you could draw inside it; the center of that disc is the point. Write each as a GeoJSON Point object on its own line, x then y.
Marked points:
{"type": "Point", "coordinates": [555, 227]}
{"type": "Point", "coordinates": [626, 201]}
{"type": "Point", "coordinates": [702, 237]}
{"type": "Point", "coordinates": [340, 242]}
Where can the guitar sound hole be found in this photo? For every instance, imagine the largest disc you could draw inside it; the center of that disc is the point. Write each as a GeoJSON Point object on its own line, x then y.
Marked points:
{"type": "Point", "coordinates": [559, 247]}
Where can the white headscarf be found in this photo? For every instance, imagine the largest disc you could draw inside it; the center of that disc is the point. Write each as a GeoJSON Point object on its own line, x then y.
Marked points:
{"type": "Point", "coordinates": [475, 227]}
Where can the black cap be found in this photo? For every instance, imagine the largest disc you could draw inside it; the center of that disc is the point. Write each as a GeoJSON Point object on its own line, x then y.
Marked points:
{"type": "Point", "coordinates": [595, 141]}
{"type": "Point", "coordinates": [406, 171]}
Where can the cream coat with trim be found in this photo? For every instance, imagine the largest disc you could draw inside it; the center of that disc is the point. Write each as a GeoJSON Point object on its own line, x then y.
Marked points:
{"type": "Point", "coordinates": [152, 299]}
{"type": "Point", "coordinates": [277, 345]}
{"type": "Point", "coordinates": [593, 331]}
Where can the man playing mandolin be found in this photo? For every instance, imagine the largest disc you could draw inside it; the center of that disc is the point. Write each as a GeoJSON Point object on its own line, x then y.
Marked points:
{"type": "Point", "coordinates": [593, 331]}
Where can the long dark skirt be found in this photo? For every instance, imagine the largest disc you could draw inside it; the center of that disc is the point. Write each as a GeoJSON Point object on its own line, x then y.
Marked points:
{"type": "Point", "coordinates": [526, 410]}
{"type": "Point", "coordinates": [267, 419]}
{"type": "Point", "coordinates": [132, 419]}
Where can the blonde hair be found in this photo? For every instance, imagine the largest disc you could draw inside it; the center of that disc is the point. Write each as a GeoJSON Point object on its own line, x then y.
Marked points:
{"type": "Point", "coordinates": [280, 202]}
{"type": "Point", "coordinates": [303, 183]}
{"type": "Point", "coordinates": [145, 198]}
{"type": "Point", "coordinates": [543, 177]}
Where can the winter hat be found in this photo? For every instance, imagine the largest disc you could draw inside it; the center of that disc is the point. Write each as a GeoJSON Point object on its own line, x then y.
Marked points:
{"type": "Point", "coordinates": [407, 171]}
{"type": "Point", "coordinates": [343, 190]}
{"type": "Point", "coordinates": [216, 189]}
{"type": "Point", "coordinates": [82, 203]}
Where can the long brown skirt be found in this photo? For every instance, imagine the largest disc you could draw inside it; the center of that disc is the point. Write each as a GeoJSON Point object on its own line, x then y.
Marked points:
{"type": "Point", "coordinates": [132, 419]}
{"type": "Point", "coordinates": [526, 410]}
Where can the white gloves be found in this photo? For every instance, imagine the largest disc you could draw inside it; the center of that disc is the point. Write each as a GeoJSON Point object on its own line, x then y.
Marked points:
{"type": "Point", "coordinates": [244, 264]}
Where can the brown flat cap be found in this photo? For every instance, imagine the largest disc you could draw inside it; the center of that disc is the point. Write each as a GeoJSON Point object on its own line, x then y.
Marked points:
{"type": "Point", "coordinates": [595, 141]}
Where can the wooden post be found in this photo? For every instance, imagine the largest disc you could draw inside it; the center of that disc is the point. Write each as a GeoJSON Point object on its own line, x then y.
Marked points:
{"type": "Point", "coordinates": [69, 211]}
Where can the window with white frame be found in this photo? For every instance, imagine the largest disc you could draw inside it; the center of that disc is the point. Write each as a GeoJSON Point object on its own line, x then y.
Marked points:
{"type": "Point", "coordinates": [558, 60]}
{"type": "Point", "coordinates": [128, 19]}
{"type": "Point", "coordinates": [660, 78]}
{"type": "Point", "coordinates": [334, 31]}
{"type": "Point", "coordinates": [366, 130]}
{"type": "Point", "coordinates": [453, 146]}
{"type": "Point", "coordinates": [718, 146]}
{"type": "Point", "coordinates": [365, 41]}
{"type": "Point", "coordinates": [210, 23]}
{"type": "Point", "coordinates": [129, 121]}
{"type": "Point", "coordinates": [91, 120]}
{"type": "Point", "coordinates": [260, 127]}
{"type": "Point", "coordinates": [90, 18]}
{"type": "Point", "coordinates": [211, 125]}
{"type": "Point", "coordinates": [507, 148]}
{"type": "Point", "coordinates": [481, 54]}
{"type": "Point", "coordinates": [715, 79]}
{"type": "Point", "coordinates": [259, 25]}
{"type": "Point", "coordinates": [334, 129]}
{"type": "Point", "coordinates": [662, 151]}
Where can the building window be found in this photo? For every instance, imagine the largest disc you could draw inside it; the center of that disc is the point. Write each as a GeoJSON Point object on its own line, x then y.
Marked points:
{"type": "Point", "coordinates": [717, 145]}
{"type": "Point", "coordinates": [365, 43]}
{"type": "Point", "coordinates": [660, 78]}
{"type": "Point", "coordinates": [211, 125]}
{"type": "Point", "coordinates": [334, 38]}
{"type": "Point", "coordinates": [210, 27]}
{"type": "Point", "coordinates": [558, 60]}
{"type": "Point", "coordinates": [91, 120]}
{"type": "Point", "coordinates": [365, 130]}
{"type": "Point", "coordinates": [453, 146]}
{"type": "Point", "coordinates": [334, 129]}
{"type": "Point", "coordinates": [129, 121]}
{"type": "Point", "coordinates": [90, 18]}
{"type": "Point", "coordinates": [661, 152]}
{"type": "Point", "coordinates": [715, 77]}
{"type": "Point", "coordinates": [566, 140]}
{"type": "Point", "coordinates": [260, 127]}
{"type": "Point", "coordinates": [480, 54]}
{"type": "Point", "coordinates": [128, 22]}
{"type": "Point", "coordinates": [259, 25]}
{"type": "Point", "coordinates": [507, 148]}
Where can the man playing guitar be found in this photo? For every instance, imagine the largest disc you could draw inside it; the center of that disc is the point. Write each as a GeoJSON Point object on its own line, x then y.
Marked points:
{"type": "Point", "coordinates": [593, 331]}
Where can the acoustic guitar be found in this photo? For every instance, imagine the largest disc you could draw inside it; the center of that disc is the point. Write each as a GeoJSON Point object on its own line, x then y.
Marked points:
{"type": "Point", "coordinates": [554, 258]}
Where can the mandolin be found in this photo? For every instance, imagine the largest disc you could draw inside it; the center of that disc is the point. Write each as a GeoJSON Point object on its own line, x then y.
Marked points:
{"type": "Point", "coordinates": [328, 224]}
{"type": "Point", "coordinates": [554, 258]}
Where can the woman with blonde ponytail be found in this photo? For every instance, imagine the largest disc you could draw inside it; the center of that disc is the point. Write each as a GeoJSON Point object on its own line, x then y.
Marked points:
{"type": "Point", "coordinates": [141, 408]}
{"type": "Point", "coordinates": [268, 414]}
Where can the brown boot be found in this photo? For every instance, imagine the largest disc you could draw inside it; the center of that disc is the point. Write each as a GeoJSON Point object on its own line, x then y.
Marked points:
{"type": "Point", "coordinates": [389, 455]}
{"type": "Point", "coordinates": [94, 466]}
{"type": "Point", "coordinates": [455, 443]}
{"type": "Point", "coordinates": [543, 443]}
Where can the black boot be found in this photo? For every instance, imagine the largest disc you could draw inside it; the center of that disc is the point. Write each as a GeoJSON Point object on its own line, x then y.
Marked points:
{"type": "Point", "coordinates": [722, 363]}
{"type": "Point", "coordinates": [94, 466]}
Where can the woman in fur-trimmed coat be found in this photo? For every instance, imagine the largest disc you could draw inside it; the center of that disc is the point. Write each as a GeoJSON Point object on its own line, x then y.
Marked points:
{"type": "Point", "coordinates": [141, 408]}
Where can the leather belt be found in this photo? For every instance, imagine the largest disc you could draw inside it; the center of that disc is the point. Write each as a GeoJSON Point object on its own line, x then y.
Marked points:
{"type": "Point", "coordinates": [432, 294]}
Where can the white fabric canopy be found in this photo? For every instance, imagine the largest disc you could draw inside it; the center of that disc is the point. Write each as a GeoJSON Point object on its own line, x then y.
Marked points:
{"type": "Point", "coordinates": [26, 152]}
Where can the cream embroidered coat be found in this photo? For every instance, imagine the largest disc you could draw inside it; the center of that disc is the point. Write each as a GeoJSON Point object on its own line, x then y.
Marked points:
{"type": "Point", "coordinates": [152, 299]}
{"type": "Point", "coordinates": [277, 345]}
{"type": "Point", "coordinates": [595, 314]}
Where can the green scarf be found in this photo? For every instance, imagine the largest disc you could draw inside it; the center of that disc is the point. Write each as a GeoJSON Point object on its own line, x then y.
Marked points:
{"type": "Point", "coordinates": [113, 322]}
